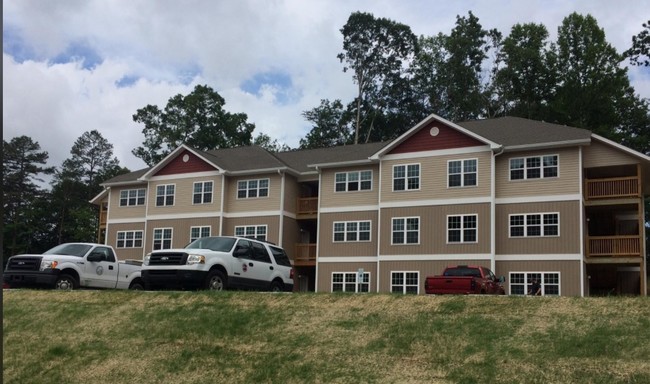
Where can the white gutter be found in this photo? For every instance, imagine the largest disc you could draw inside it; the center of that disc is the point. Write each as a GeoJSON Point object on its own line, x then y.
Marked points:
{"type": "Point", "coordinates": [281, 230]}
{"type": "Point", "coordinates": [493, 210]}
{"type": "Point", "coordinates": [582, 224]}
{"type": "Point", "coordinates": [223, 198]}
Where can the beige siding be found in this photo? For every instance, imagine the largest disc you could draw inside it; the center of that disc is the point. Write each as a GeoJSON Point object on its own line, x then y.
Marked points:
{"type": "Point", "coordinates": [272, 226]}
{"type": "Point", "coordinates": [569, 273]}
{"type": "Point", "coordinates": [568, 181]}
{"type": "Point", "coordinates": [117, 212]}
{"type": "Point", "coordinates": [327, 246]}
{"type": "Point", "coordinates": [291, 193]}
{"type": "Point", "coordinates": [183, 196]}
{"type": "Point", "coordinates": [269, 203]}
{"type": "Point", "coordinates": [290, 236]}
{"type": "Point", "coordinates": [125, 253]}
{"type": "Point", "coordinates": [180, 230]}
{"type": "Point", "coordinates": [433, 178]}
{"type": "Point", "coordinates": [567, 243]}
{"type": "Point", "coordinates": [602, 155]}
{"type": "Point", "coordinates": [325, 271]}
{"type": "Point", "coordinates": [425, 268]}
{"type": "Point", "coordinates": [330, 198]}
{"type": "Point", "coordinates": [433, 230]}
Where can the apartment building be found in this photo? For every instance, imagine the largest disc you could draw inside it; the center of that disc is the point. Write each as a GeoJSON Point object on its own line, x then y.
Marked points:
{"type": "Point", "coordinates": [526, 199]}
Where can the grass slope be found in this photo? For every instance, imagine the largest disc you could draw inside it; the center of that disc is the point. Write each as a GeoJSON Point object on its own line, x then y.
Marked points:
{"type": "Point", "coordinates": [246, 337]}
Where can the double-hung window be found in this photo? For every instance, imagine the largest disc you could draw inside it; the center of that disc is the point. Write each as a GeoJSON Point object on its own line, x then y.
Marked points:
{"type": "Point", "coordinates": [405, 282]}
{"type": "Point", "coordinates": [165, 195]}
{"type": "Point", "coordinates": [129, 239]}
{"type": "Point", "coordinates": [534, 167]}
{"type": "Point", "coordinates": [132, 197]}
{"type": "Point", "coordinates": [202, 192]}
{"type": "Point", "coordinates": [247, 189]}
{"type": "Point", "coordinates": [252, 231]}
{"type": "Point", "coordinates": [521, 283]}
{"type": "Point", "coordinates": [349, 231]}
{"type": "Point", "coordinates": [353, 181]}
{"type": "Point", "coordinates": [162, 238]}
{"type": "Point", "coordinates": [347, 282]}
{"type": "Point", "coordinates": [462, 229]}
{"type": "Point", "coordinates": [535, 225]}
{"type": "Point", "coordinates": [406, 177]}
{"type": "Point", "coordinates": [406, 230]}
{"type": "Point", "coordinates": [199, 232]}
{"type": "Point", "coordinates": [462, 173]}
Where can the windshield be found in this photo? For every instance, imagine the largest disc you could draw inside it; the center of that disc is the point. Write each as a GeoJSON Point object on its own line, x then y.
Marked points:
{"type": "Point", "coordinates": [221, 244]}
{"type": "Point", "coordinates": [78, 250]}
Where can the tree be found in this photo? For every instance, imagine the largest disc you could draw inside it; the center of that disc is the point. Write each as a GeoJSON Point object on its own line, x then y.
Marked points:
{"type": "Point", "coordinates": [271, 145]}
{"type": "Point", "coordinates": [331, 125]}
{"type": "Point", "coordinates": [377, 51]}
{"type": "Point", "coordinates": [639, 53]}
{"type": "Point", "coordinates": [197, 119]}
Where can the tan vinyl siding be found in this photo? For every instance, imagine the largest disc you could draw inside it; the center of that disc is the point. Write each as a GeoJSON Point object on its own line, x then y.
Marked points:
{"type": "Point", "coordinates": [125, 253]}
{"type": "Point", "coordinates": [325, 271]}
{"type": "Point", "coordinates": [567, 182]}
{"type": "Point", "coordinates": [327, 246]}
{"type": "Point", "coordinates": [569, 273]}
{"type": "Point", "coordinates": [180, 230]}
{"type": "Point", "coordinates": [602, 155]}
{"type": "Point", "coordinates": [290, 236]}
{"type": "Point", "coordinates": [269, 203]}
{"type": "Point", "coordinates": [425, 268]}
{"type": "Point", "coordinates": [128, 212]}
{"type": "Point", "coordinates": [434, 178]}
{"type": "Point", "coordinates": [433, 230]}
{"type": "Point", "coordinates": [291, 193]}
{"type": "Point", "coordinates": [183, 196]}
{"type": "Point", "coordinates": [272, 226]}
{"type": "Point", "coordinates": [567, 243]}
{"type": "Point", "coordinates": [330, 198]}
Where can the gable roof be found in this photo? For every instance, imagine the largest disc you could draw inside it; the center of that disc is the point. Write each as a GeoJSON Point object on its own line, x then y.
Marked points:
{"type": "Point", "coordinates": [307, 160]}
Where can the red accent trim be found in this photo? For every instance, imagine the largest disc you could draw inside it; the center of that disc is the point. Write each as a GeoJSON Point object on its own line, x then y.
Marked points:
{"type": "Point", "coordinates": [177, 165]}
{"type": "Point", "coordinates": [446, 138]}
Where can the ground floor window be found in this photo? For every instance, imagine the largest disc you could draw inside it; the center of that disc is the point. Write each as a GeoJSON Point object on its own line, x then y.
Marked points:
{"type": "Point", "coordinates": [199, 232]}
{"type": "Point", "coordinates": [522, 283]}
{"type": "Point", "coordinates": [162, 238]}
{"type": "Point", "coordinates": [129, 239]}
{"type": "Point", "coordinates": [405, 282]}
{"type": "Point", "coordinates": [347, 282]}
{"type": "Point", "coordinates": [252, 231]}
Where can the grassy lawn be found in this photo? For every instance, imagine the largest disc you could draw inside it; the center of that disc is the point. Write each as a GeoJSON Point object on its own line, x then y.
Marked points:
{"type": "Point", "coordinates": [246, 337]}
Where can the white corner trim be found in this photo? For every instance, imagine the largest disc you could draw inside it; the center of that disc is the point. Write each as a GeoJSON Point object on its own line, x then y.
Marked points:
{"type": "Point", "coordinates": [538, 199]}
{"type": "Point", "coordinates": [464, 256]}
{"type": "Point", "coordinates": [348, 259]}
{"type": "Point", "coordinates": [450, 201]}
{"type": "Point", "coordinates": [541, 257]}
{"type": "Point", "coordinates": [353, 208]}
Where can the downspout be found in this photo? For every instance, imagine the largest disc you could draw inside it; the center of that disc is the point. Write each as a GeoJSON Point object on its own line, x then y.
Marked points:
{"type": "Point", "coordinates": [493, 210]}
{"type": "Point", "coordinates": [281, 230]}
{"type": "Point", "coordinates": [223, 198]}
{"type": "Point", "coordinates": [108, 210]}
{"type": "Point", "coordinates": [583, 265]}
{"type": "Point", "coordinates": [146, 223]}
{"type": "Point", "coordinates": [320, 186]}
{"type": "Point", "coordinates": [379, 224]}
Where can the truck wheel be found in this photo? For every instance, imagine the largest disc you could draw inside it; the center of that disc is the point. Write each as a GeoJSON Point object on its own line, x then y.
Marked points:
{"type": "Point", "coordinates": [136, 286]}
{"type": "Point", "coordinates": [276, 286]}
{"type": "Point", "coordinates": [215, 281]}
{"type": "Point", "coordinates": [65, 283]}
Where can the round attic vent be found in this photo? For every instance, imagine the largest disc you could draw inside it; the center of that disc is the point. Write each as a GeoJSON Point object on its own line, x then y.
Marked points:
{"type": "Point", "coordinates": [434, 131]}
{"type": "Point", "coordinates": [186, 158]}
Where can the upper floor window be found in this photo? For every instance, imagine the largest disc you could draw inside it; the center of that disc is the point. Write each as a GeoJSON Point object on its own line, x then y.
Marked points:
{"type": "Point", "coordinates": [406, 230]}
{"type": "Point", "coordinates": [462, 229]}
{"type": "Point", "coordinates": [406, 177]}
{"type": "Point", "coordinates": [535, 167]}
{"type": "Point", "coordinates": [162, 238]}
{"type": "Point", "coordinates": [535, 225]}
{"type": "Point", "coordinates": [353, 181]}
{"type": "Point", "coordinates": [202, 192]}
{"type": "Point", "coordinates": [347, 282]}
{"type": "Point", "coordinates": [405, 282]}
{"type": "Point", "coordinates": [461, 173]}
{"type": "Point", "coordinates": [165, 195]}
{"type": "Point", "coordinates": [253, 231]}
{"type": "Point", "coordinates": [252, 188]}
{"type": "Point", "coordinates": [199, 232]}
{"type": "Point", "coordinates": [132, 197]}
{"type": "Point", "coordinates": [129, 239]}
{"type": "Point", "coordinates": [351, 231]}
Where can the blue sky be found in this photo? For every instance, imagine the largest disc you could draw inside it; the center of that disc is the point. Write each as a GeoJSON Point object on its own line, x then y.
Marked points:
{"type": "Point", "coordinates": [73, 66]}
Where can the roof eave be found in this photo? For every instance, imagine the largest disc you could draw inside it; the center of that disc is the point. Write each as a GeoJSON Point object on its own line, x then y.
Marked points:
{"type": "Point", "coordinates": [554, 144]}
{"type": "Point", "coordinates": [341, 164]}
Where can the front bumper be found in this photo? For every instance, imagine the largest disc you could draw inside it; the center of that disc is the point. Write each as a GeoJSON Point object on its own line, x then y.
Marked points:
{"type": "Point", "coordinates": [27, 279]}
{"type": "Point", "coordinates": [173, 279]}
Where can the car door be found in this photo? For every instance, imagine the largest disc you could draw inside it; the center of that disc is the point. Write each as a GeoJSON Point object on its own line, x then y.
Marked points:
{"type": "Point", "coordinates": [103, 273]}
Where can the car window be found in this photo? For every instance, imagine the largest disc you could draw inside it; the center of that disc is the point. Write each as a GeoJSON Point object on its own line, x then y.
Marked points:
{"type": "Point", "coordinates": [78, 250]}
{"type": "Point", "coordinates": [245, 247]}
{"type": "Point", "coordinates": [219, 244]}
{"type": "Point", "coordinates": [280, 256]}
{"type": "Point", "coordinates": [260, 253]}
{"type": "Point", "coordinates": [107, 252]}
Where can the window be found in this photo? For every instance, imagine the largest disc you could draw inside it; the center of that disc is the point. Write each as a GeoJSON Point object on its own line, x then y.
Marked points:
{"type": "Point", "coordinates": [353, 181]}
{"type": "Point", "coordinates": [405, 282]}
{"type": "Point", "coordinates": [165, 195]}
{"type": "Point", "coordinates": [535, 225]}
{"type": "Point", "coordinates": [129, 239]}
{"type": "Point", "coordinates": [247, 189]}
{"type": "Point", "coordinates": [461, 173]}
{"type": "Point", "coordinates": [260, 253]}
{"type": "Point", "coordinates": [462, 229]}
{"type": "Point", "coordinates": [347, 282]}
{"type": "Point", "coordinates": [202, 193]}
{"type": "Point", "coordinates": [199, 232]}
{"type": "Point", "coordinates": [521, 282]}
{"type": "Point", "coordinates": [406, 177]}
{"type": "Point", "coordinates": [351, 231]}
{"type": "Point", "coordinates": [253, 231]}
{"type": "Point", "coordinates": [132, 197]}
{"type": "Point", "coordinates": [537, 167]}
{"type": "Point", "coordinates": [162, 238]}
{"type": "Point", "coordinates": [406, 230]}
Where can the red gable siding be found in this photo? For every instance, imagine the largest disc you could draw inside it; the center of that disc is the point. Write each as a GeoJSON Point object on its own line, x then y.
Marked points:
{"type": "Point", "coordinates": [445, 139]}
{"type": "Point", "coordinates": [177, 165]}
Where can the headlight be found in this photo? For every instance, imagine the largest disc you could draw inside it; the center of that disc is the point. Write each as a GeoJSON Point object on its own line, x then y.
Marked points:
{"type": "Point", "coordinates": [195, 259]}
{"type": "Point", "coordinates": [48, 264]}
{"type": "Point", "coordinates": [146, 259]}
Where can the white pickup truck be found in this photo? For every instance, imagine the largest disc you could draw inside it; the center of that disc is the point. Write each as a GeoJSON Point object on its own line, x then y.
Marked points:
{"type": "Point", "coordinates": [72, 265]}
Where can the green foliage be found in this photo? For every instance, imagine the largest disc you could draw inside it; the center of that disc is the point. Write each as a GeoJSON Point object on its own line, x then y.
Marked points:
{"type": "Point", "coordinates": [197, 119]}
{"type": "Point", "coordinates": [331, 126]}
{"type": "Point", "coordinates": [639, 53]}
{"type": "Point", "coordinates": [271, 145]}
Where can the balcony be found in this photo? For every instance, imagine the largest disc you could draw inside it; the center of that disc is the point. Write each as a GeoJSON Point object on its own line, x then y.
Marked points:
{"type": "Point", "coordinates": [305, 255]}
{"type": "Point", "coordinates": [307, 206]}
{"type": "Point", "coordinates": [616, 187]}
{"type": "Point", "coordinates": [614, 246]}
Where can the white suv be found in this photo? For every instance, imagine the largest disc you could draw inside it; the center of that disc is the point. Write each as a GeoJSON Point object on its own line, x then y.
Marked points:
{"type": "Point", "coordinates": [220, 262]}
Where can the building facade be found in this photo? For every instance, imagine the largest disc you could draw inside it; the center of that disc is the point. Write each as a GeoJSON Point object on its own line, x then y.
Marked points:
{"type": "Point", "coordinates": [526, 199]}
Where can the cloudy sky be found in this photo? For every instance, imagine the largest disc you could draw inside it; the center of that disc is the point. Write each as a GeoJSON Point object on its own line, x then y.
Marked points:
{"type": "Point", "coordinates": [71, 66]}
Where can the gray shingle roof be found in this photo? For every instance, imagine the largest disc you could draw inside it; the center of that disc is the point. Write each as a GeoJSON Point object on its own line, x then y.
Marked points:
{"type": "Point", "coordinates": [242, 158]}
{"type": "Point", "coordinates": [300, 159]}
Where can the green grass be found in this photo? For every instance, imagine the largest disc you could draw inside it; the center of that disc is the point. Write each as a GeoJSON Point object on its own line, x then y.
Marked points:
{"type": "Point", "coordinates": [246, 337]}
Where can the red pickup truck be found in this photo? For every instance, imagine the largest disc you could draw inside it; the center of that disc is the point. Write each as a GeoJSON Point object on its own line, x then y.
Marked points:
{"type": "Point", "coordinates": [465, 280]}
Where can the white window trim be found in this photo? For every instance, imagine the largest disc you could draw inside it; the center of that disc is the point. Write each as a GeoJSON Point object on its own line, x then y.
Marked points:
{"type": "Point", "coordinates": [359, 181]}
{"type": "Point", "coordinates": [136, 198]}
{"type": "Point", "coordinates": [542, 284]}
{"type": "Point", "coordinates": [134, 231]}
{"type": "Point", "coordinates": [356, 283]}
{"type": "Point", "coordinates": [406, 177]}
{"type": "Point", "coordinates": [345, 232]}
{"type": "Point", "coordinates": [171, 238]}
{"type": "Point", "coordinates": [257, 227]}
{"type": "Point", "coordinates": [268, 188]}
{"type": "Point", "coordinates": [403, 286]}
{"type": "Point", "coordinates": [462, 229]}
{"type": "Point", "coordinates": [405, 230]}
{"type": "Point", "coordinates": [203, 193]}
{"type": "Point", "coordinates": [525, 168]}
{"type": "Point", "coordinates": [165, 195]}
{"type": "Point", "coordinates": [200, 228]}
{"type": "Point", "coordinates": [525, 225]}
{"type": "Point", "coordinates": [462, 174]}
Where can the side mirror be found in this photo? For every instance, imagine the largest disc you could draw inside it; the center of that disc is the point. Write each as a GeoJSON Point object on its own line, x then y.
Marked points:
{"type": "Point", "coordinates": [96, 256]}
{"type": "Point", "coordinates": [502, 279]}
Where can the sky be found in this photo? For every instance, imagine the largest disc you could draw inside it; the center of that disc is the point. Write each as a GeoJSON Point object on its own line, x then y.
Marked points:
{"type": "Point", "coordinates": [72, 66]}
